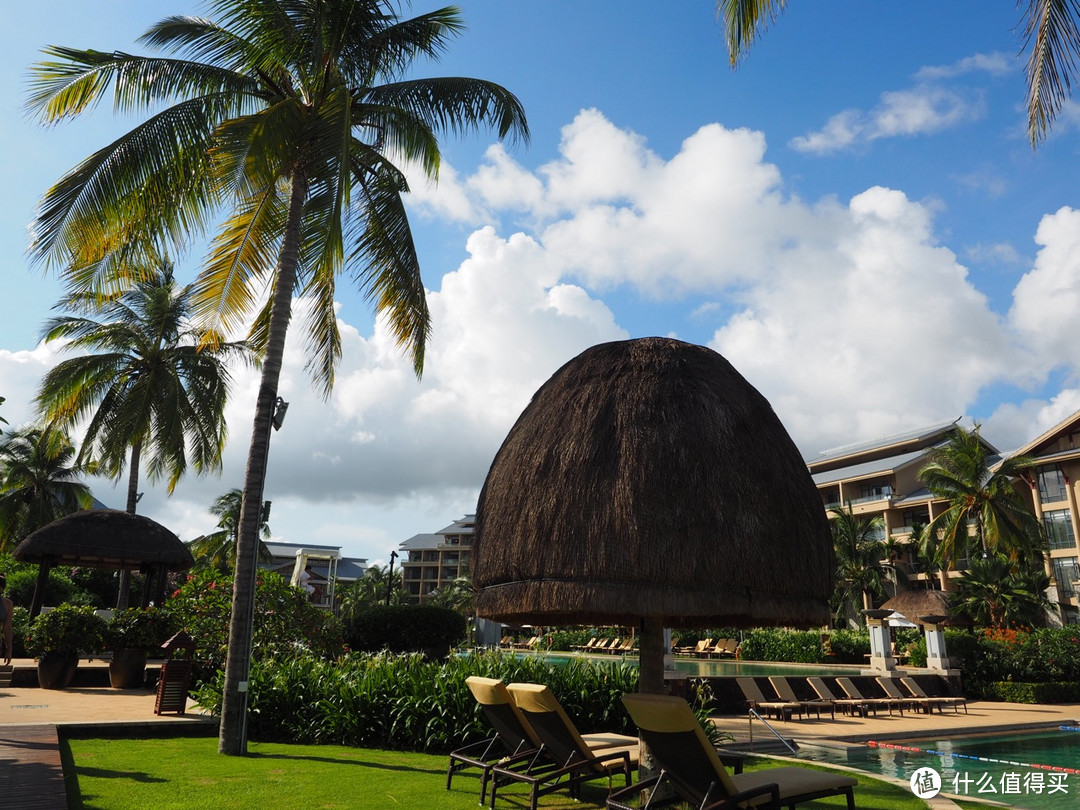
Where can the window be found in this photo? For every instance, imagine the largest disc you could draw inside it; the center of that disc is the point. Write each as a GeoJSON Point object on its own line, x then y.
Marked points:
{"type": "Point", "coordinates": [1059, 530]}
{"type": "Point", "coordinates": [1066, 572]}
{"type": "Point", "coordinates": [1052, 484]}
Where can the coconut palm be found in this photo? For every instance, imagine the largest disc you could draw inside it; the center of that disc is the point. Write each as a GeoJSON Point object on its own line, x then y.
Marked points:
{"type": "Point", "coordinates": [152, 384]}
{"type": "Point", "coordinates": [370, 590]}
{"type": "Point", "coordinates": [217, 550]}
{"type": "Point", "coordinates": [286, 115]}
{"type": "Point", "coordinates": [980, 495]}
{"type": "Point", "coordinates": [1051, 32]}
{"type": "Point", "coordinates": [994, 594]}
{"type": "Point", "coordinates": [458, 595]}
{"type": "Point", "coordinates": [859, 551]}
{"type": "Point", "coordinates": [39, 481]}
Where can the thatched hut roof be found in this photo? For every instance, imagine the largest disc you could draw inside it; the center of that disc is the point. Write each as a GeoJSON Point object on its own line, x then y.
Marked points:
{"type": "Point", "coordinates": [105, 538]}
{"type": "Point", "coordinates": [913, 604]}
{"type": "Point", "coordinates": [647, 478]}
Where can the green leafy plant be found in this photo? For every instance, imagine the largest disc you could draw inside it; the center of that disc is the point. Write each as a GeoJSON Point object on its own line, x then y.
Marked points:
{"type": "Point", "coordinates": [408, 628]}
{"type": "Point", "coordinates": [138, 629]}
{"type": "Point", "coordinates": [67, 629]}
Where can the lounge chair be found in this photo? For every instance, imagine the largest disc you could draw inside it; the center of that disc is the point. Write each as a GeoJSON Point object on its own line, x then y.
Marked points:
{"type": "Point", "coordinates": [917, 691]}
{"type": "Point", "coordinates": [785, 692]}
{"type": "Point", "coordinates": [846, 705]}
{"type": "Point", "coordinates": [889, 686]}
{"type": "Point", "coordinates": [588, 645]}
{"type": "Point", "coordinates": [852, 692]}
{"type": "Point", "coordinates": [758, 702]}
{"type": "Point", "coordinates": [513, 735]}
{"type": "Point", "coordinates": [691, 766]}
{"type": "Point", "coordinates": [576, 760]}
{"type": "Point", "coordinates": [731, 648]}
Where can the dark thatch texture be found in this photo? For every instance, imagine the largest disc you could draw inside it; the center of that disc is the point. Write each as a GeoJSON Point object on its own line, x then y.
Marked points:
{"type": "Point", "coordinates": [913, 604]}
{"type": "Point", "coordinates": [105, 538]}
{"type": "Point", "coordinates": [648, 480]}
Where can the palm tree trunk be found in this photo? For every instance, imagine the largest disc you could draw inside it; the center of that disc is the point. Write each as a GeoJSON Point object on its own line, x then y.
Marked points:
{"type": "Point", "coordinates": [123, 589]}
{"type": "Point", "coordinates": [232, 735]}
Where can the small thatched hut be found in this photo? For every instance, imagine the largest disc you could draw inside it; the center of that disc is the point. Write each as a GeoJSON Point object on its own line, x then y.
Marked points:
{"type": "Point", "coordinates": [105, 538]}
{"type": "Point", "coordinates": [912, 605]}
{"type": "Point", "coordinates": [647, 482]}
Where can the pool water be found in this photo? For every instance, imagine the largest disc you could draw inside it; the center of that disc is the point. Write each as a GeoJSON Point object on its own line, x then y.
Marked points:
{"type": "Point", "coordinates": [718, 668]}
{"type": "Point", "coordinates": [965, 770]}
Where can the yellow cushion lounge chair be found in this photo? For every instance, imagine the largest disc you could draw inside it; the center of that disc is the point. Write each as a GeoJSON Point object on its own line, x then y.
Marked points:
{"type": "Point", "coordinates": [782, 708]}
{"type": "Point", "coordinates": [917, 691]}
{"type": "Point", "coordinates": [576, 760]}
{"type": "Point", "coordinates": [692, 767]}
{"type": "Point", "coordinates": [513, 738]}
{"type": "Point", "coordinates": [785, 692]}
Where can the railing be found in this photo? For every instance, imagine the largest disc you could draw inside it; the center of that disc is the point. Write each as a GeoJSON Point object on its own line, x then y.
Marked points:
{"type": "Point", "coordinates": [753, 714]}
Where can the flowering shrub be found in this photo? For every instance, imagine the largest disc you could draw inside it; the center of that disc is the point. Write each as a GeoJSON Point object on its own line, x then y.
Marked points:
{"type": "Point", "coordinates": [285, 621]}
{"type": "Point", "coordinates": [137, 629]}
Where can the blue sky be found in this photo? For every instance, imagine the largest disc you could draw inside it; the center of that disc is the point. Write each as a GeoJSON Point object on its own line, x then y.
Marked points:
{"type": "Point", "coordinates": [854, 218]}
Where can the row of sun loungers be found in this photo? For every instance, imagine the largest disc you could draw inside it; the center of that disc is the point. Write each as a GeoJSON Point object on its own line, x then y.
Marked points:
{"type": "Point", "coordinates": [788, 704]}
{"type": "Point", "coordinates": [607, 645]}
{"type": "Point", "coordinates": [537, 744]}
{"type": "Point", "coordinates": [705, 648]}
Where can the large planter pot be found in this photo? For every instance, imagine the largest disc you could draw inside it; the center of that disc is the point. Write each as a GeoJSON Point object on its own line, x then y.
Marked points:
{"type": "Point", "coordinates": [127, 670]}
{"type": "Point", "coordinates": [57, 669]}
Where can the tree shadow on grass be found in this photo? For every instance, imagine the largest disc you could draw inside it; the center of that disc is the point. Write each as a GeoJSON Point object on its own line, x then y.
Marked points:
{"type": "Point", "coordinates": [359, 762]}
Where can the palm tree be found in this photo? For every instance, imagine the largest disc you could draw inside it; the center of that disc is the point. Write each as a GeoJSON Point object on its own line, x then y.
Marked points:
{"type": "Point", "coordinates": [980, 494]}
{"type": "Point", "coordinates": [39, 483]}
{"type": "Point", "coordinates": [370, 590]}
{"type": "Point", "coordinates": [859, 552]}
{"type": "Point", "coordinates": [994, 594]}
{"type": "Point", "coordinates": [217, 550]}
{"type": "Point", "coordinates": [287, 116]}
{"type": "Point", "coordinates": [1051, 31]}
{"type": "Point", "coordinates": [458, 595]}
{"type": "Point", "coordinates": [152, 384]}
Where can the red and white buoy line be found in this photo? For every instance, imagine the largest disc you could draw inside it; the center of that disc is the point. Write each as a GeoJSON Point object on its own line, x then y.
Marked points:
{"type": "Point", "coordinates": [914, 750]}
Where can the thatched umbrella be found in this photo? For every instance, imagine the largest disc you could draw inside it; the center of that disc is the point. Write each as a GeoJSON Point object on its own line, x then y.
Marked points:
{"type": "Point", "coordinates": [104, 538]}
{"type": "Point", "coordinates": [914, 604]}
{"type": "Point", "coordinates": [647, 482]}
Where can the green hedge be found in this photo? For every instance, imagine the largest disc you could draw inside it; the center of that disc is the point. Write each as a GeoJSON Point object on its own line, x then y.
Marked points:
{"type": "Point", "coordinates": [772, 644]}
{"type": "Point", "coordinates": [408, 702]}
{"type": "Point", "coordinates": [1017, 692]}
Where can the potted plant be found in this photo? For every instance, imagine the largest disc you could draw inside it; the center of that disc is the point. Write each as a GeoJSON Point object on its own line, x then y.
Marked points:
{"type": "Point", "coordinates": [57, 637]}
{"type": "Point", "coordinates": [132, 634]}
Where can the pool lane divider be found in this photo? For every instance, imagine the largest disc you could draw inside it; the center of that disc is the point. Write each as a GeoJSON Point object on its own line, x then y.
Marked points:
{"type": "Point", "coordinates": [911, 749]}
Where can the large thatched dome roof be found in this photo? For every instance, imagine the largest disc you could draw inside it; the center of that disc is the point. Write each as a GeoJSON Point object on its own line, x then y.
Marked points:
{"type": "Point", "coordinates": [105, 538]}
{"type": "Point", "coordinates": [648, 478]}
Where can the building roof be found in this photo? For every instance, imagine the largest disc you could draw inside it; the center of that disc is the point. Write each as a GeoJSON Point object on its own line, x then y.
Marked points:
{"type": "Point", "coordinates": [886, 447]}
{"type": "Point", "coordinates": [875, 467]}
{"type": "Point", "coordinates": [465, 525]}
{"type": "Point", "coordinates": [422, 541]}
{"type": "Point", "coordinates": [1032, 447]}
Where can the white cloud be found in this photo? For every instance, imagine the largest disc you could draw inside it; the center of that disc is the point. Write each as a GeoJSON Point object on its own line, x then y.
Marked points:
{"type": "Point", "coordinates": [995, 63]}
{"type": "Point", "coordinates": [919, 111]}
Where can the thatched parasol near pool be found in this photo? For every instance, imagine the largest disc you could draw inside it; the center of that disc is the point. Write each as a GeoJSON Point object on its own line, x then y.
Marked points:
{"type": "Point", "coordinates": [912, 605]}
{"type": "Point", "coordinates": [648, 482]}
{"type": "Point", "coordinates": [104, 538]}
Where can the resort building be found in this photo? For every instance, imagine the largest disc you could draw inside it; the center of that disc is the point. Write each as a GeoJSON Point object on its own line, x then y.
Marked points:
{"type": "Point", "coordinates": [430, 561]}
{"type": "Point", "coordinates": [1053, 483]}
{"type": "Point", "coordinates": [329, 569]}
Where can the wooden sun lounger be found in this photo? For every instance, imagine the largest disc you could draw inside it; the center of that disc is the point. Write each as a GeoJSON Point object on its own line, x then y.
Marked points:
{"type": "Point", "coordinates": [846, 705]}
{"type": "Point", "coordinates": [919, 694]}
{"type": "Point", "coordinates": [852, 692]}
{"type": "Point", "coordinates": [893, 691]}
{"type": "Point", "coordinates": [785, 692]}
{"type": "Point", "coordinates": [758, 702]}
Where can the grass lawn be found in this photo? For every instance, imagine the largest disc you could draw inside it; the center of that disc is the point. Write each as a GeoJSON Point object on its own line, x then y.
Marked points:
{"type": "Point", "coordinates": [187, 772]}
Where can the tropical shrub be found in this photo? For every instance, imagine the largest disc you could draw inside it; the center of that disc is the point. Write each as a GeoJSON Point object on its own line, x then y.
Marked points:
{"type": "Point", "coordinates": [139, 629]}
{"type": "Point", "coordinates": [849, 646]}
{"type": "Point", "coordinates": [1018, 692]}
{"type": "Point", "coordinates": [774, 644]}
{"type": "Point", "coordinates": [408, 702]}
{"type": "Point", "coordinates": [405, 628]}
{"type": "Point", "coordinates": [20, 629]}
{"type": "Point", "coordinates": [59, 589]}
{"type": "Point", "coordinates": [285, 621]}
{"type": "Point", "coordinates": [68, 629]}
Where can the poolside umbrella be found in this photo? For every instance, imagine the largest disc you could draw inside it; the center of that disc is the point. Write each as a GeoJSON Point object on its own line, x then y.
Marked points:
{"type": "Point", "coordinates": [104, 538]}
{"type": "Point", "coordinates": [648, 482]}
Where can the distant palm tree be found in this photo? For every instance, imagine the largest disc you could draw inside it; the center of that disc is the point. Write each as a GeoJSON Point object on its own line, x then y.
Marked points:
{"type": "Point", "coordinates": [371, 589]}
{"type": "Point", "coordinates": [1051, 30]}
{"type": "Point", "coordinates": [288, 117]}
{"type": "Point", "coordinates": [859, 551]}
{"type": "Point", "coordinates": [459, 595]}
{"type": "Point", "coordinates": [981, 498]}
{"type": "Point", "coordinates": [217, 550]}
{"type": "Point", "coordinates": [39, 481]}
{"type": "Point", "coordinates": [994, 594]}
{"type": "Point", "coordinates": [152, 383]}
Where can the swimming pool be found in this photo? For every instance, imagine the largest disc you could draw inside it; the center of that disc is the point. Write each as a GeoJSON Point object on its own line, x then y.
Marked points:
{"type": "Point", "coordinates": [719, 668]}
{"type": "Point", "coordinates": [1023, 778]}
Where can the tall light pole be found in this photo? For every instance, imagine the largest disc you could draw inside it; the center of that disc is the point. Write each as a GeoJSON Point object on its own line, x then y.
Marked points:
{"type": "Point", "coordinates": [390, 577]}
